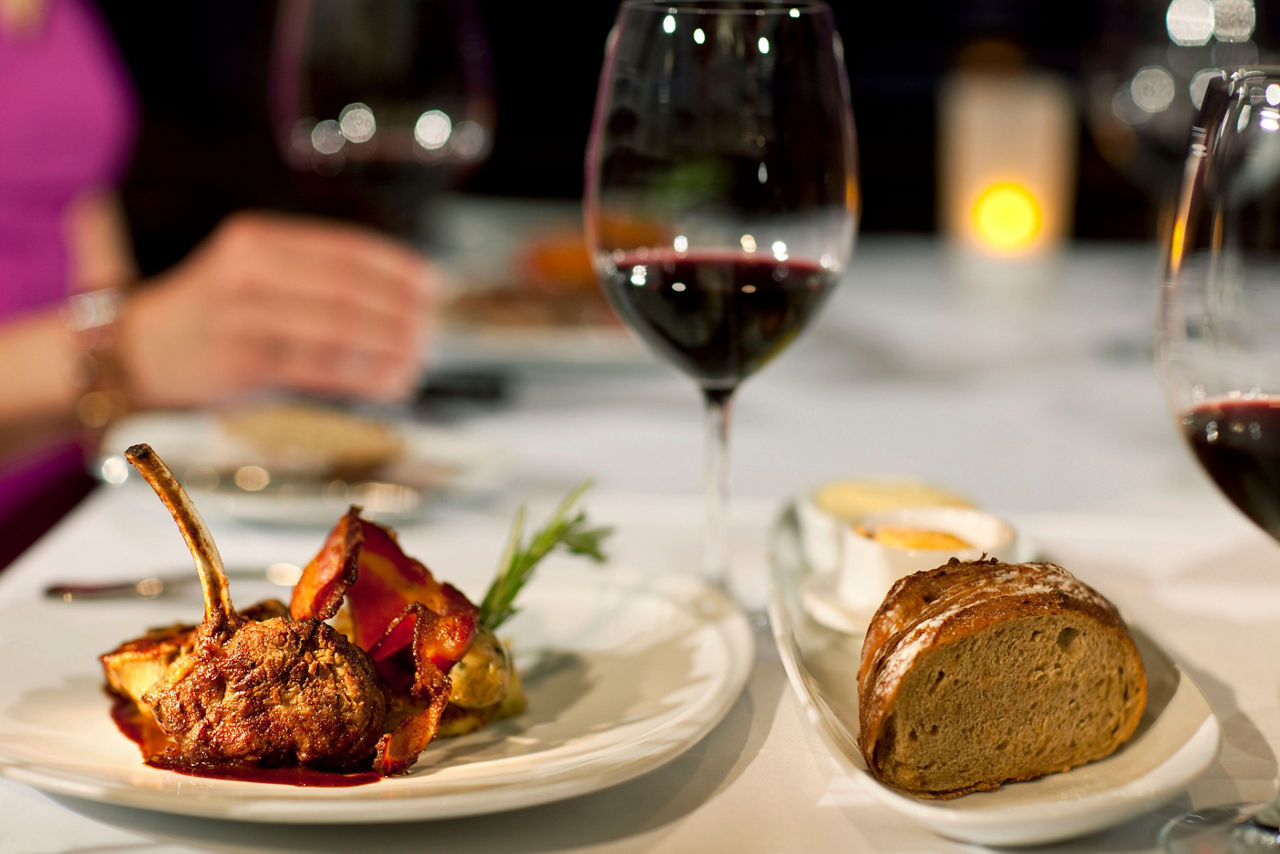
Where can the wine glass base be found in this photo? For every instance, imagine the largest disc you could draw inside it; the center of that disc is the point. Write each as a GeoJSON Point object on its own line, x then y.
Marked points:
{"type": "Point", "coordinates": [1220, 830]}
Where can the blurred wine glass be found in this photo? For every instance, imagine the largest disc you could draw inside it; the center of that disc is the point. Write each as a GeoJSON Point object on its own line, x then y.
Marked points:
{"type": "Point", "coordinates": [378, 106]}
{"type": "Point", "coordinates": [1146, 76]}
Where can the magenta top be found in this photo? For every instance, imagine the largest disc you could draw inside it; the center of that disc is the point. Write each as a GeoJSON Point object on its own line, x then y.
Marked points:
{"type": "Point", "coordinates": [66, 126]}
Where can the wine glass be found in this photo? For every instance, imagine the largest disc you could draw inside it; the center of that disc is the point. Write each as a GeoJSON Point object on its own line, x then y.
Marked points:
{"type": "Point", "coordinates": [380, 105]}
{"type": "Point", "coordinates": [1145, 77]}
{"type": "Point", "coordinates": [721, 192]}
{"type": "Point", "coordinates": [1218, 346]}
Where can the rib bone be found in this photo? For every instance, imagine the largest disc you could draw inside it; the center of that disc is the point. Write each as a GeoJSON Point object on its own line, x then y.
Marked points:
{"type": "Point", "coordinates": [220, 618]}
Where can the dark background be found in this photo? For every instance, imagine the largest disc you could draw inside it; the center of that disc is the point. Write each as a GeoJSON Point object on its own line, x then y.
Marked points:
{"type": "Point", "coordinates": [202, 71]}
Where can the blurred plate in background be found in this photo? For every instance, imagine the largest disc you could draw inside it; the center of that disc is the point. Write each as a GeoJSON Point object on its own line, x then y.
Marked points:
{"type": "Point", "coordinates": [398, 470]}
{"type": "Point", "coordinates": [522, 289]}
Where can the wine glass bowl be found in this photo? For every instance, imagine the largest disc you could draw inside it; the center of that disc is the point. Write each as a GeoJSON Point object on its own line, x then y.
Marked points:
{"type": "Point", "coordinates": [727, 127]}
{"type": "Point", "coordinates": [721, 189]}
{"type": "Point", "coordinates": [1145, 77]}
{"type": "Point", "coordinates": [1218, 345]}
{"type": "Point", "coordinates": [377, 106]}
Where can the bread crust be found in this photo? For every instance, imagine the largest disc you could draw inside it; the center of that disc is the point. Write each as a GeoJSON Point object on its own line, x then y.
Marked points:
{"type": "Point", "coordinates": [932, 610]}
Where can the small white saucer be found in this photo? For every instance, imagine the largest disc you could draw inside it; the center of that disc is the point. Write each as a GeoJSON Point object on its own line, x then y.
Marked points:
{"type": "Point", "coordinates": [822, 601]}
{"type": "Point", "coordinates": [820, 595]}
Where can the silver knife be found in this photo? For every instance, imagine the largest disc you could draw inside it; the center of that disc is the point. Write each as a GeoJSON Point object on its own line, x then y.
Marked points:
{"type": "Point", "coordinates": [153, 586]}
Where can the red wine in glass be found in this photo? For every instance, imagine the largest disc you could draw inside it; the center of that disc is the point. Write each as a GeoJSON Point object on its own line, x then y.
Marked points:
{"type": "Point", "coordinates": [1238, 444]}
{"type": "Point", "coordinates": [718, 316]}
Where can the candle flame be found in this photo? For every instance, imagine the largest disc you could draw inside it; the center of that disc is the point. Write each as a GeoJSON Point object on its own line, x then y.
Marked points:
{"type": "Point", "coordinates": [1008, 216]}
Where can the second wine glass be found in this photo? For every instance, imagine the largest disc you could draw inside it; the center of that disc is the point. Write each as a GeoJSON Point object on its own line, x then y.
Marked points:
{"type": "Point", "coordinates": [721, 192]}
{"type": "Point", "coordinates": [1218, 348]}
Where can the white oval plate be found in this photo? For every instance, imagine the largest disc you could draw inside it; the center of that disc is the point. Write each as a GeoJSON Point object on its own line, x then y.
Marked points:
{"type": "Point", "coordinates": [1176, 740]}
{"type": "Point", "coordinates": [623, 672]}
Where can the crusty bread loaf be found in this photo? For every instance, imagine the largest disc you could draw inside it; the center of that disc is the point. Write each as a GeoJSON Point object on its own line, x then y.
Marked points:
{"type": "Point", "coordinates": [981, 673]}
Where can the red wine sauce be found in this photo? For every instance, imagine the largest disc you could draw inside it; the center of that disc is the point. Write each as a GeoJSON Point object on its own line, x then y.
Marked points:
{"type": "Point", "coordinates": [143, 731]}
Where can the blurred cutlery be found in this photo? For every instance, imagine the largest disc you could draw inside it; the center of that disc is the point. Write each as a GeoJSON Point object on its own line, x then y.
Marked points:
{"type": "Point", "coordinates": [153, 586]}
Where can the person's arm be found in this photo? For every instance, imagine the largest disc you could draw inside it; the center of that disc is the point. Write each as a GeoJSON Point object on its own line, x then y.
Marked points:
{"type": "Point", "coordinates": [40, 387]}
{"type": "Point", "coordinates": [266, 303]}
{"type": "Point", "coordinates": [97, 238]}
{"type": "Point", "coordinates": [44, 356]}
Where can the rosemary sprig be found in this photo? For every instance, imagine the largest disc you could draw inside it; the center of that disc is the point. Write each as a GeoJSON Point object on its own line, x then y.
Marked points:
{"type": "Point", "coordinates": [518, 559]}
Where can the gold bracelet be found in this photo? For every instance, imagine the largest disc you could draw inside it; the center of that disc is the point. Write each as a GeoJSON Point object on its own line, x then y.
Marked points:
{"type": "Point", "coordinates": [93, 319]}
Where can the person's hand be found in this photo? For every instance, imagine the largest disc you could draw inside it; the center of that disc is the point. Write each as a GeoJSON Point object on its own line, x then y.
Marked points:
{"type": "Point", "coordinates": [273, 302]}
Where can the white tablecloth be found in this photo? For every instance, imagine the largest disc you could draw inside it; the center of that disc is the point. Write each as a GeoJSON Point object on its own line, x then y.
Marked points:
{"type": "Point", "coordinates": [1045, 410]}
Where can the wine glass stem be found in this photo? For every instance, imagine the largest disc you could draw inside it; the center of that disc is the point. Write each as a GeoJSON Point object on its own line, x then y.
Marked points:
{"type": "Point", "coordinates": [716, 485]}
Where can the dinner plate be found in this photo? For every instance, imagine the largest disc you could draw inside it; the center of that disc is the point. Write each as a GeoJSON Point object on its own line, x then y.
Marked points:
{"type": "Point", "coordinates": [481, 244]}
{"type": "Point", "coordinates": [622, 672]}
{"type": "Point", "coordinates": [1176, 739]}
{"type": "Point", "coordinates": [436, 464]}
{"type": "Point", "coordinates": [532, 349]}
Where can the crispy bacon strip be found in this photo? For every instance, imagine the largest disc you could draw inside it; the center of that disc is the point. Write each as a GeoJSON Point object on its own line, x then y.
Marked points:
{"type": "Point", "coordinates": [434, 638]}
{"type": "Point", "coordinates": [389, 580]}
{"type": "Point", "coordinates": [362, 562]}
{"type": "Point", "coordinates": [326, 579]}
{"type": "Point", "coordinates": [413, 627]}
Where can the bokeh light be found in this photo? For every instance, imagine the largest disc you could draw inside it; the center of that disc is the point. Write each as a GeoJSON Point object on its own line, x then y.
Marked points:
{"type": "Point", "coordinates": [1189, 22]}
{"type": "Point", "coordinates": [357, 123]}
{"type": "Point", "coordinates": [1007, 216]}
{"type": "Point", "coordinates": [433, 129]}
